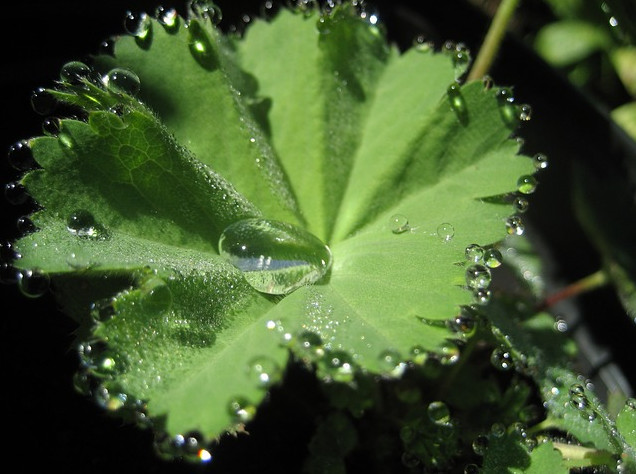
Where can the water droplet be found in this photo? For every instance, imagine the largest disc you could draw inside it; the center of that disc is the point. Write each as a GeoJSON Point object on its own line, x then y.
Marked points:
{"type": "Point", "coordinates": [457, 102]}
{"type": "Point", "coordinates": [75, 73]}
{"type": "Point", "coordinates": [480, 445]}
{"type": "Point", "coordinates": [630, 404]}
{"type": "Point", "coordinates": [20, 156]}
{"type": "Point", "coordinates": [525, 112]}
{"type": "Point", "coordinates": [139, 25]}
{"type": "Point", "coordinates": [498, 430]}
{"type": "Point", "coordinates": [422, 45]}
{"type": "Point", "coordinates": [561, 325]}
{"type": "Point", "coordinates": [501, 359]}
{"type": "Point", "coordinates": [168, 18]}
{"type": "Point", "coordinates": [515, 226]}
{"type": "Point", "coordinates": [99, 358]}
{"type": "Point", "coordinates": [51, 126]}
{"type": "Point", "coordinates": [275, 257]}
{"type": "Point", "coordinates": [527, 184]}
{"type": "Point", "coordinates": [43, 102]}
{"type": "Point", "coordinates": [391, 361]}
{"type": "Point", "coordinates": [478, 277]}
{"type": "Point", "coordinates": [445, 232]}
{"type": "Point", "coordinates": [156, 296]}
{"type": "Point", "coordinates": [540, 161]}
{"type": "Point", "coordinates": [463, 324]}
{"type": "Point", "coordinates": [418, 355]}
{"type": "Point", "coordinates": [471, 469]}
{"type": "Point", "coordinates": [438, 413]}
{"type": "Point", "coordinates": [82, 224]}
{"type": "Point", "coordinates": [507, 107]}
{"type": "Point", "coordinates": [310, 344]}
{"type": "Point", "coordinates": [530, 414]}
{"type": "Point", "coordinates": [339, 367]}
{"type": "Point", "coordinates": [264, 371]}
{"type": "Point", "coordinates": [410, 460]}
{"type": "Point", "coordinates": [474, 253]}
{"type": "Point", "coordinates": [493, 258]}
{"type": "Point", "coordinates": [482, 296]}
{"type": "Point", "coordinates": [449, 353]}
{"type": "Point", "coordinates": [520, 204]}
{"type": "Point", "coordinates": [103, 310]}
{"type": "Point", "coordinates": [399, 224]}
{"type": "Point", "coordinates": [15, 193]}
{"type": "Point", "coordinates": [200, 46]}
{"type": "Point", "coordinates": [207, 10]}
{"type": "Point", "coordinates": [241, 409]}
{"type": "Point", "coordinates": [66, 142]}
{"type": "Point", "coordinates": [122, 81]}
{"type": "Point", "coordinates": [25, 226]}
{"type": "Point", "coordinates": [33, 283]}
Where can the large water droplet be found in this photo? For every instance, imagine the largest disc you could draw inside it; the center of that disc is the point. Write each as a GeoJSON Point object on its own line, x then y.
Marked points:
{"type": "Point", "coordinates": [275, 257]}
{"type": "Point", "coordinates": [399, 224]}
{"type": "Point", "coordinates": [339, 367]}
{"type": "Point", "coordinates": [122, 81]}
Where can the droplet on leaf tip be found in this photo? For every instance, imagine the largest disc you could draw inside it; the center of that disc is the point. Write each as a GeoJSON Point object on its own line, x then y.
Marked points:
{"type": "Point", "coordinates": [168, 18]}
{"type": "Point", "coordinates": [33, 283]}
{"type": "Point", "coordinates": [527, 184]}
{"type": "Point", "coordinates": [540, 161]}
{"type": "Point", "coordinates": [122, 81]}
{"type": "Point", "coordinates": [139, 25]}
{"type": "Point", "coordinates": [474, 253]}
{"type": "Point", "coordinates": [43, 102]}
{"type": "Point", "coordinates": [515, 226]}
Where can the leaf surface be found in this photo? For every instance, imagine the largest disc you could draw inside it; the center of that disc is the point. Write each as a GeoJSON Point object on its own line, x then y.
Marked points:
{"type": "Point", "coordinates": [142, 189]}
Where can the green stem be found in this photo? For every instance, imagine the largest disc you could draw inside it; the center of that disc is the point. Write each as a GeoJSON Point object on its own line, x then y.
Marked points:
{"type": "Point", "coordinates": [493, 39]}
{"type": "Point", "coordinates": [588, 283]}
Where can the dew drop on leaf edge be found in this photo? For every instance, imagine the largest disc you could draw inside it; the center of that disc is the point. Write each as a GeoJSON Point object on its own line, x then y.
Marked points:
{"type": "Point", "coordinates": [275, 257]}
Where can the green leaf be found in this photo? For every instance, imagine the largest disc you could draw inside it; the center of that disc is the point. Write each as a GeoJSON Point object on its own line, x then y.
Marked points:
{"type": "Point", "coordinates": [358, 140]}
{"type": "Point", "coordinates": [626, 422]}
{"type": "Point", "coordinates": [567, 42]}
{"type": "Point", "coordinates": [507, 453]}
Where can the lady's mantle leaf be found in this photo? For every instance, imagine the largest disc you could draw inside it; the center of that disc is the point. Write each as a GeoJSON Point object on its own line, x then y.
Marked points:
{"type": "Point", "coordinates": [380, 154]}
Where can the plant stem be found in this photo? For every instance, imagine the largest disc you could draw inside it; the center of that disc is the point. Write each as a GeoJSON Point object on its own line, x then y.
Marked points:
{"type": "Point", "coordinates": [588, 283]}
{"type": "Point", "coordinates": [492, 41]}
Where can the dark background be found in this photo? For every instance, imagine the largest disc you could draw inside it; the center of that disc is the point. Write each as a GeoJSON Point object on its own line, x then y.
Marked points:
{"type": "Point", "coordinates": [49, 425]}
